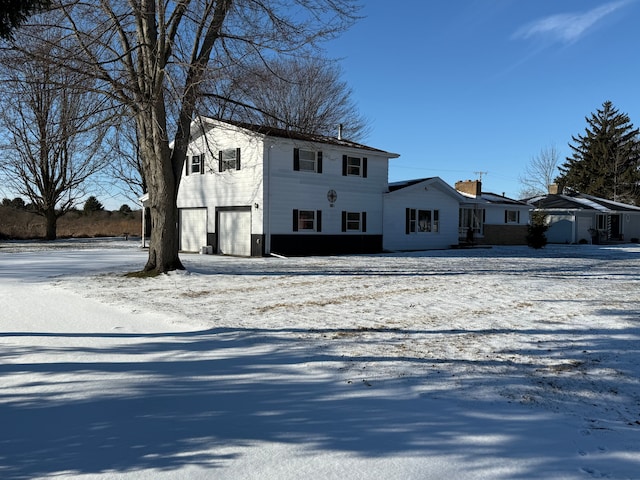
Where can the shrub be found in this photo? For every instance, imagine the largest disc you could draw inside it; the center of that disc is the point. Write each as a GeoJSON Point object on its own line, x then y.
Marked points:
{"type": "Point", "coordinates": [536, 237]}
{"type": "Point", "coordinates": [125, 209]}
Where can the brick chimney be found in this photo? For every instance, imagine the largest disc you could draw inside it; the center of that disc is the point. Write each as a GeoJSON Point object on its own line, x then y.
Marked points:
{"type": "Point", "coordinates": [470, 187]}
{"type": "Point", "coordinates": [554, 189]}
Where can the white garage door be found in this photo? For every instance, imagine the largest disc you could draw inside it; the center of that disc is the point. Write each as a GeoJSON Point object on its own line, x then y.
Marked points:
{"type": "Point", "coordinates": [193, 229]}
{"type": "Point", "coordinates": [234, 233]}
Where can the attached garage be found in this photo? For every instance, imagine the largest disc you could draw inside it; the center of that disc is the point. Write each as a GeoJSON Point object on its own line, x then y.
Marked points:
{"type": "Point", "coordinates": [234, 231]}
{"type": "Point", "coordinates": [193, 229]}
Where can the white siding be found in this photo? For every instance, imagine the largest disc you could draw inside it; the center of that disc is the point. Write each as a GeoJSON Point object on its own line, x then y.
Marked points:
{"type": "Point", "coordinates": [290, 189]}
{"type": "Point", "coordinates": [425, 196]}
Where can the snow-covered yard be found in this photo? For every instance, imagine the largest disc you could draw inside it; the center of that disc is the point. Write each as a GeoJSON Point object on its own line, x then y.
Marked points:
{"type": "Point", "coordinates": [501, 363]}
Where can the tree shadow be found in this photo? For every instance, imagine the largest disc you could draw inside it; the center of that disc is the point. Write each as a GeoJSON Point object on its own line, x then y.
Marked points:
{"type": "Point", "coordinates": [203, 398]}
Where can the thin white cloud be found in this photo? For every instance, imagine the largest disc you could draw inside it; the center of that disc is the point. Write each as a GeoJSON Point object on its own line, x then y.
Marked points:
{"type": "Point", "coordinates": [568, 27]}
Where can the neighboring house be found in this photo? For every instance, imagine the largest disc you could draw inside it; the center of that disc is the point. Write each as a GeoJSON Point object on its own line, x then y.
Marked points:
{"type": "Point", "coordinates": [490, 219]}
{"type": "Point", "coordinates": [579, 218]}
{"type": "Point", "coordinates": [252, 190]}
{"type": "Point", "coordinates": [421, 215]}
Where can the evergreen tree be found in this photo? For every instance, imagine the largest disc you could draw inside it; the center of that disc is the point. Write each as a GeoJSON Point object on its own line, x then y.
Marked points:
{"type": "Point", "coordinates": [93, 205]}
{"type": "Point", "coordinates": [605, 159]}
{"type": "Point", "coordinates": [15, 12]}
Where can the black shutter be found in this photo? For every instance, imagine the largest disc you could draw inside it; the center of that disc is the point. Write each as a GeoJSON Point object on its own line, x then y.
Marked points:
{"type": "Point", "coordinates": [320, 162]}
{"type": "Point", "coordinates": [237, 159]}
{"type": "Point", "coordinates": [344, 221]}
{"type": "Point", "coordinates": [202, 164]}
{"type": "Point", "coordinates": [518, 216]}
{"type": "Point", "coordinates": [506, 216]}
{"type": "Point", "coordinates": [187, 166]}
{"type": "Point", "coordinates": [364, 222]}
{"type": "Point", "coordinates": [295, 220]}
{"type": "Point", "coordinates": [318, 220]}
{"type": "Point", "coordinates": [364, 167]}
{"type": "Point", "coordinates": [296, 159]}
{"type": "Point", "coordinates": [407, 229]}
{"type": "Point", "coordinates": [220, 161]}
{"type": "Point", "coordinates": [344, 165]}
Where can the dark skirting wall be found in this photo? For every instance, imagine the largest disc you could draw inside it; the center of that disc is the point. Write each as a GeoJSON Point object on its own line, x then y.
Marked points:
{"type": "Point", "coordinates": [325, 244]}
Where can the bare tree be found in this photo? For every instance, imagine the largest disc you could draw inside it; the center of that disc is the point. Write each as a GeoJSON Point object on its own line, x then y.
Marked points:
{"type": "Point", "coordinates": [52, 133]}
{"type": "Point", "coordinates": [540, 172]}
{"type": "Point", "coordinates": [151, 56]}
{"type": "Point", "coordinates": [304, 94]}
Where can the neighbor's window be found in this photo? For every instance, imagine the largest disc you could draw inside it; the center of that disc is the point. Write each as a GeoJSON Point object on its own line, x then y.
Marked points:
{"type": "Point", "coordinates": [354, 166]}
{"type": "Point", "coordinates": [307, 160]}
{"type": "Point", "coordinates": [511, 216]}
{"type": "Point", "coordinates": [354, 221]}
{"type": "Point", "coordinates": [422, 220]}
{"type": "Point", "coordinates": [229, 159]}
{"type": "Point", "coordinates": [307, 220]}
{"type": "Point", "coordinates": [601, 221]}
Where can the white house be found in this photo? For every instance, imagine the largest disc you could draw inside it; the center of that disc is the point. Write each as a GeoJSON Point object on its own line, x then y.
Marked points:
{"type": "Point", "coordinates": [252, 190]}
{"type": "Point", "coordinates": [421, 215]}
{"type": "Point", "coordinates": [491, 219]}
{"type": "Point", "coordinates": [575, 217]}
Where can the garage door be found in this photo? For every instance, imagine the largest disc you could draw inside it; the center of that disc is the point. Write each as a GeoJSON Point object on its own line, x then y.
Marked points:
{"type": "Point", "coordinates": [193, 229]}
{"type": "Point", "coordinates": [234, 232]}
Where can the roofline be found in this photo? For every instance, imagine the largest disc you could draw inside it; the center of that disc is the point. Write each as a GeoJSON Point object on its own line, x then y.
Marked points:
{"type": "Point", "coordinates": [267, 131]}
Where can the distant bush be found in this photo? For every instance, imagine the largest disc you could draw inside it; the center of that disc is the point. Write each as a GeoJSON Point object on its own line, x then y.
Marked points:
{"type": "Point", "coordinates": [125, 209]}
{"type": "Point", "coordinates": [15, 203]}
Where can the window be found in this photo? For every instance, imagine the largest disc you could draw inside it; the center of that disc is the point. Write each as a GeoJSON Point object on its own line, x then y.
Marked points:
{"type": "Point", "coordinates": [307, 160]}
{"type": "Point", "coordinates": [471, 219]}
{"type": "Point", "coordinates": [511, 216]}
{"type": "Point", "coordinates": [229, 159]}
{"type": "Point", "coordinates": [354, 166]}
{"type": "Point", "coordinates": [354, 221]}
{"type": "Point", "coordinates": [422, 221]}
{"type": "Point", "coordinates": [197, 164]}
{"type": "Point", "coordinates": [601, 221]}
{"type": "Point", "coordinates": [307, 220]}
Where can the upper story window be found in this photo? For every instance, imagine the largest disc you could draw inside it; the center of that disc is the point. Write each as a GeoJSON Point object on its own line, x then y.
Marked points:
{"type": "Point", "coordinates": [307, 220]}
{"type": "Point", "coordinates": [229, 159]}
{"type": "Point", "coordinates": [511, 216]}
{"type": "Point", "coordinates": [422, 221]}
{"type": "Point", "coordinates": [307, 160]}
{"type": "Point", "coordinates": [354, 166]}
{"type": "Point", "coordinates": [195, 165]}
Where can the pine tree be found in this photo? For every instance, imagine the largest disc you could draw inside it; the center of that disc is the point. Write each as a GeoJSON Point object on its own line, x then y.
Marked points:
{"type": "Point", "coordinates": [14, 12]}
{"type": "Point", "coordinates": [606, 158]}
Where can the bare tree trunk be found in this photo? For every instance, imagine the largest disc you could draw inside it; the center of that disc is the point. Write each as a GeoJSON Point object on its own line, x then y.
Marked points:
{"type": "Point", "coordinates": [51, 224]}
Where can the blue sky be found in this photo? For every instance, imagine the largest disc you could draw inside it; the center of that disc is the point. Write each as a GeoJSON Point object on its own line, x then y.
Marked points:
{"type": "Point", "coordinates": [464, 86]}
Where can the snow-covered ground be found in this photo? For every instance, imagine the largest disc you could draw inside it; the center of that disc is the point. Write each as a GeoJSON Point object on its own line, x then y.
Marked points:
{"type": "Point", "coordinates": [501, 363]}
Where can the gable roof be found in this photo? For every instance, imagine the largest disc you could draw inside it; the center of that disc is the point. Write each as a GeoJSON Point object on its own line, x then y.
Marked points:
{"type": "Point", "coordinates": [398, 188]}
{"type": "Point", "coordinates": [493, 199]}
{"type": "Point", "coordinates": [579, 201]}
{"type": "Point", "coordinates": [268, 131]}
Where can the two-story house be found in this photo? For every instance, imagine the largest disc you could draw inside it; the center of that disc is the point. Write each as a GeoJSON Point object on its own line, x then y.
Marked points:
{"type": "Point", "coordinates": [253, 190]}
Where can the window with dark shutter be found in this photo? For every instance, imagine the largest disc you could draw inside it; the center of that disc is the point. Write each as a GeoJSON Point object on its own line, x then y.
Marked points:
{"type": "Point", "coordinates": [296, 159]}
